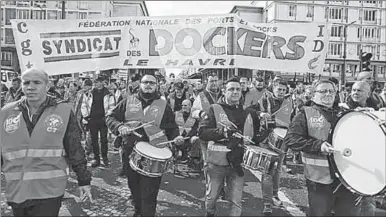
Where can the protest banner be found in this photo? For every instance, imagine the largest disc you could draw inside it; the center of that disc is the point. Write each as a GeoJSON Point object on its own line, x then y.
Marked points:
{"type": "Point", "coordinates": [205, 41]}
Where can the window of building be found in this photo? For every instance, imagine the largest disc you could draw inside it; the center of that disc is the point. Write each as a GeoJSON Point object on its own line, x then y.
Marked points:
{"type": "Point", "coordinates": [9, 36]}
{"type": "Point", "coordinates": [10, 2]}
{"type": "Point", "coordinates": [52, 15]}
{"type": "Point", "coordinates": [72, 15]}
{"type": "Point", "coordinates": [369, 33]}
{"type": "Point", "coordinates": [310, 11]}
{"type": "Point", "coordinates": [92, 15]}
{"type": "Point", "coordinates": [82, 15]}
{"type": "Point", "coordinates": [23, 14]}
{"type": "Point", "coordinates": [2, 19]}
{"type": "Point", "coordinates": [336, 68]}
{"type": "Point", "coordinates": [10, 13]}
{"type": "Point", "coordinates": [370, 2]}
{"type": "Point", "coordinates": [336, 31]}
{"type": "Point", "coordinates": [292, 10]}
{"type": "Point", "coordinates": [39, 15]}
{"type": "Point", "coordinates": [40, 4]}
{"type": "Point", "coordinates": [83, 5]}
{"type": "Point", "coordinates": [6, 56]}
{"type": "Point", "coordinates": [369, 15]}
{"type": "Point", "coordinates": [335, 49]}
{"type": "Point", "coordinates": [336, 13]}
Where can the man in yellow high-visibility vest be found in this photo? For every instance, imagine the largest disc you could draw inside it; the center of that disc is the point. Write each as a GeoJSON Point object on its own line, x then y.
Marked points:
{"type": "Point", "coordinates": [38, 137]}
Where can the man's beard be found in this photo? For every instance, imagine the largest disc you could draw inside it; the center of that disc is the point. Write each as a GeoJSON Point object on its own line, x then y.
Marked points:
{"type": "Point", "coordinates": [148, 95]}
{"type": "Point", "coordinates": [259, 88]}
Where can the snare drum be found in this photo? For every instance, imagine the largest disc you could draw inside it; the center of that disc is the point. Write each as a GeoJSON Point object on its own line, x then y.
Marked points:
{"type": "Point", "coordinates": [263, 160]}
{"type": "Point", "coordinates": [276, 138]}
{"type": "Point", "coordinates": [149, 160]}
{"type": "Point", "coordinates": [359, 140]}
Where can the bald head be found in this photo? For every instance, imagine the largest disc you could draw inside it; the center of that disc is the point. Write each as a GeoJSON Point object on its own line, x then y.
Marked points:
{"type": "Point", "coordinates": [186, 105]}
{"type": "Point", "coordinates": [360, 92]}
{"type": "Point", "coordinates": [36, 72]}
{"type": "Point", "coordinates": [35, 86]}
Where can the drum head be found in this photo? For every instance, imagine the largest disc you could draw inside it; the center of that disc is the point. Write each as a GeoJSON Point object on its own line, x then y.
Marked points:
{"type": "Point", "coordinates": [153, 152]}
{"type": "Point", "coordinates": [360, 161]}
{"type": "Point", "coordinates": [280, 132]}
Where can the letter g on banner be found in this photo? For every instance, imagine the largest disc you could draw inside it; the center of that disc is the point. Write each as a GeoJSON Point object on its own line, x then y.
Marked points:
{"type": "Point", "coordinates": [26, 44]}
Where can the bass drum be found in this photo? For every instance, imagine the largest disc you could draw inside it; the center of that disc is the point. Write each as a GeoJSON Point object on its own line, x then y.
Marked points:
{"type": "Point", "coordinates": [359, 139]}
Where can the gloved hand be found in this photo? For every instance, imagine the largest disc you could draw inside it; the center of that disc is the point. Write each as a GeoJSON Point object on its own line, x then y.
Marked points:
{"type": "Point", "coordinates": [234, 142]}
{"type": "Point", "coordinates": [228, 133]}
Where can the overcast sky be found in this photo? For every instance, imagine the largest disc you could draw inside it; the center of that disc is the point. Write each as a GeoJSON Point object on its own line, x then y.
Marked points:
{"type": "Point", "coordinates": [170, 8]}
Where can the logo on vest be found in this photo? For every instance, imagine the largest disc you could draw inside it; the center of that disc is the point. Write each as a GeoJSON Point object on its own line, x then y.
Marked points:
{"type": "Point", "coordinates": [224, 118]}
{"type": "Point", "coordinates": [53, 123]}
{"type": "Point", "coordinates": [12, 123]}
{"type": "Point", "coordinates": [153, 111]}
{"type": "Point", "coordinates": [317, 122]}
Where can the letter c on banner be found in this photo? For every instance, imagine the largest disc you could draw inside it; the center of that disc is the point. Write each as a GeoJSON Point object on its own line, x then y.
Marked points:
{"type": "Point", "coordinates": [20, 27]}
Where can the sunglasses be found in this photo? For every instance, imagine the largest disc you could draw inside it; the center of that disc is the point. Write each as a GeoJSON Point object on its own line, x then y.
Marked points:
{"type": "Point", "coordinates": [325, 91]}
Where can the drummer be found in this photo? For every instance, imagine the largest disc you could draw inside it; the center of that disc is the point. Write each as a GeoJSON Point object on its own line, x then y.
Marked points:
{"type": "Point", "coordinates": [147, 102]}
{"type": "Point", "coordinates": [309, 133]}
{"type": "Point", "coordinates": [283, 109]}
{"type": "Point", "coordinates": [224, 154]}
{"type": "Point", "coordinates": [360, 98]}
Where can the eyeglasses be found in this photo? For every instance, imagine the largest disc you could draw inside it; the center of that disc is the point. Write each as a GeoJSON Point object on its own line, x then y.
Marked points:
{"type": "Point", "coordinates": [149, 82]}
{"type": "Point", "coordinates": [325, 91]}
{"type": "Point", "coordinates": [233, 89]}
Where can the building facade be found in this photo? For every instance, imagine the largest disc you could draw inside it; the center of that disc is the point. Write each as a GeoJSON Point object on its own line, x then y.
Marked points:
{"type": "Point", "coordinates": [52, 10]}
{"type": "Point", "coordinates": [366, 30]}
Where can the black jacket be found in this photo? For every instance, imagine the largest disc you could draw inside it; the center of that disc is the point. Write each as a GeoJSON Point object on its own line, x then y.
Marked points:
{"type": "Point", "coordinates": [369, 103]}
{"type": "Point", "coordinates": [208, 131]}
{"type": "Point", "coordinates": [116, 118]}
{"type": "Point", "coordinates": [297, 137]}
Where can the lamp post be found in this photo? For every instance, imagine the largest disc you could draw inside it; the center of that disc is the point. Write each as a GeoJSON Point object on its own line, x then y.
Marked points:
{"type": "Point", "coordinates": [63, 10]}
{"type": "Point", "coordinates": [343, 72]}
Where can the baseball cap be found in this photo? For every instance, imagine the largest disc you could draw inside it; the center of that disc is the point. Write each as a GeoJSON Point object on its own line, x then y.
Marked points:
{"type": "Point", "coordinates": [179, 85]}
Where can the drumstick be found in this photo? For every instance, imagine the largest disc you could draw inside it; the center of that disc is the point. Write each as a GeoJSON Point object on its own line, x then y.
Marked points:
{"type": "Point", "coordinates": [167, 142]}
{"type": "Point", "coordinates": [237, 134]}
{"type": "Point", "coordinates": [142, 125]}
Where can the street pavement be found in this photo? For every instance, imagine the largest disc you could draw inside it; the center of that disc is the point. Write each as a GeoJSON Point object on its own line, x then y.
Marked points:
{"type": "Point", "coordinates": [181, 194]}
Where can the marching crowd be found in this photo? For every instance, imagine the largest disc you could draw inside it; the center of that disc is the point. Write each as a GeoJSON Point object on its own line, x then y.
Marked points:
{"type": "Point", "coordinates": [211, 123]}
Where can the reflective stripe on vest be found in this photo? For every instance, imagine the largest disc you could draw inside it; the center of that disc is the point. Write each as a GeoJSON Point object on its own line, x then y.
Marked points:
{"type": "Point", "coordinates": [154, 112]}
{"type": "Point", "coordinates": [205, 104]}
{"type": "Point", "coordinates": [316, 167]}
{"type": "Point", "coordinates": [217, 151]}
{"type": "Point", "coordinates": [34, 161]}
{"type": "Point", "coordinates": [283, 117]}
{"type": "Point", "coordinates": [35, 175]}
{"type": "Point", "coordinates": [34, 153]}
{"type": "Point", "coordinates": [182, 124]}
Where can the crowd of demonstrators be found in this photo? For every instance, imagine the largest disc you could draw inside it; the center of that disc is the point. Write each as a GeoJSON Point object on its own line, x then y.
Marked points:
{"type": "Point", "coordinates": [202, 119]}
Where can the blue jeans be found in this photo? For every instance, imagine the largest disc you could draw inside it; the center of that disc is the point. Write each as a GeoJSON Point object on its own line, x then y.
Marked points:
{"type": "Point", "coordinates": [270, 182]}
{"type": "Point", "coordinates": [322, 200]}
{"type": "Point", "coordinates": [368, 206]}
{"type": "Point", "coordinates": [215, 176]}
